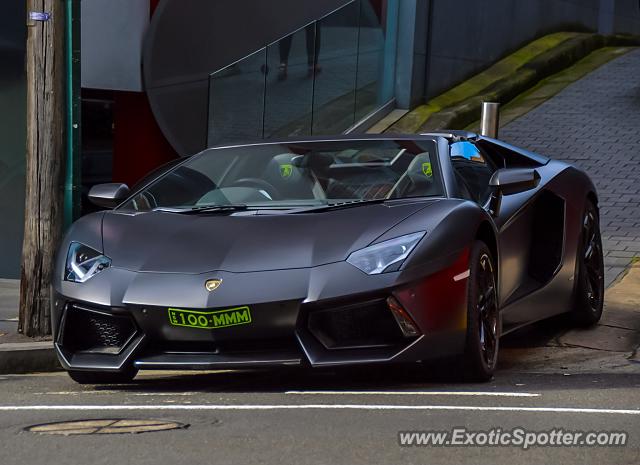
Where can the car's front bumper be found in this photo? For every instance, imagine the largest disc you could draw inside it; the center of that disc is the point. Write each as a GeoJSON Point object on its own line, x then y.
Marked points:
{"type": "Point", "coordinates": [282, 304]}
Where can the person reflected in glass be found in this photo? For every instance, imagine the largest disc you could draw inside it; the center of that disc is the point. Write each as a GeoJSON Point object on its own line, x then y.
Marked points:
{"type": "Point", "coordinates": [313, 52]}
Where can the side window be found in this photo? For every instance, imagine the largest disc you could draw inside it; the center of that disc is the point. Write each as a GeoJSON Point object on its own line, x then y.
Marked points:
{"type": "Point", "coordinates": [473, 169]}
{"type": "Point", "coordinates": [462, 187]}
{"type": "Point", "coordinates": [506, 156]}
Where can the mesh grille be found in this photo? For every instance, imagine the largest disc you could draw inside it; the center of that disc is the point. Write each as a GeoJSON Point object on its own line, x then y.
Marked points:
{"type": "Point", "coordinates": [90, 331]}
{"type": "Point", "coordinates": [370, 324]}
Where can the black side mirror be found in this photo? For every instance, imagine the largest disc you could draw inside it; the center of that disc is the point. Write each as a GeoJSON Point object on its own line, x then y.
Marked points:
{"type": "Point", "coordinates": [511, 181]}
{"type": "Point", "coordinates": [108, 195]}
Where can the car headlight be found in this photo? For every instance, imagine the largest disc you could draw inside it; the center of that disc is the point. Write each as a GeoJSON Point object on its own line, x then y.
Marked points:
{"type": "Point", "coordinates": [377, 258]}
{"type": "Point", "coordinates": [83, 263]}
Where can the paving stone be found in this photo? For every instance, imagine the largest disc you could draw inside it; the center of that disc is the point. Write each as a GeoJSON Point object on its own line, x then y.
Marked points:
{"type": "Point", "coordinates": [594, 124]}
{"type": "Point", "coordinates": [614, 261]}
{"type": "Point", "coordinates": [621, 254]}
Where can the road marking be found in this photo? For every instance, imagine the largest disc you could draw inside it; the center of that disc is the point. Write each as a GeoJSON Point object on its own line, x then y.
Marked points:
{"type": "Point", "coordinates": [315, 393]}
{"type": "Point", "coordinates": [416, 393]}
{"type": "Point", "coordinates": [17, 408]}
{"type": "Point", "coordinates": [73, 393]}
{"type": "Point", "coordinates": [109, 392]}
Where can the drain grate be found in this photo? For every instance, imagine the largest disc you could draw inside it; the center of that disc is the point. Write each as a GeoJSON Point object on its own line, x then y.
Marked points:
{"type": "Point", "coordinates": [106, 426]}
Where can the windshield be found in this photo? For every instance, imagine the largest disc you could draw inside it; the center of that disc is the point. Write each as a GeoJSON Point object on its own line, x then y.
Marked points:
{"type": "Point", "coordinates": [297, 175]}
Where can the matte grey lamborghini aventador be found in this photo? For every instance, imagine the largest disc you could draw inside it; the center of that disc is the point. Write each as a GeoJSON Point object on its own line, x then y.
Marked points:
{"type": "Point", "coordinates": [321, 252]}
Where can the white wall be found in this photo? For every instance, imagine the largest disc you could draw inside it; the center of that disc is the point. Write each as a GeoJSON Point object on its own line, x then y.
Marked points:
{"type": "Point", "coordinates": [111, 43]}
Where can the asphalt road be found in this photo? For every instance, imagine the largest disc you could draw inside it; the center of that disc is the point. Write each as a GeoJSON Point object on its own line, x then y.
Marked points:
{"type": "Point", "coordinates": [299, 417]}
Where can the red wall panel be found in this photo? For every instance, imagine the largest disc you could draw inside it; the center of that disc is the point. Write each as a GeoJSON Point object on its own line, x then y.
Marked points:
{"type": "Point", "coordinates": [139, 145]}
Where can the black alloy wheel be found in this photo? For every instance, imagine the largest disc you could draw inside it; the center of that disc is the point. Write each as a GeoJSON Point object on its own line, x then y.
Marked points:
{"type": "Point", "coordinates": [589, 289]}
{"type": "Point", "coordinates": [483, 316]}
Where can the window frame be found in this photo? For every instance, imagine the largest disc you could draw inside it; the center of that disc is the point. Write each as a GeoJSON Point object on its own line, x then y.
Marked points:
{"type": "Point", "coordinates": [462, 188]}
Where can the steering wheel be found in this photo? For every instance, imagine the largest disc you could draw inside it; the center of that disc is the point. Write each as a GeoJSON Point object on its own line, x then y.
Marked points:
{"type": "Point", "coordinates": [259, 184]}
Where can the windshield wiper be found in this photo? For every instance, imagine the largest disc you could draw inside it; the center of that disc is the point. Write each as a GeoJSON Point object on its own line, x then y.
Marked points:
{"type": "Point", "coordinates": [204, 209]}
{"type": "Point", "coordinates": [342, 204]}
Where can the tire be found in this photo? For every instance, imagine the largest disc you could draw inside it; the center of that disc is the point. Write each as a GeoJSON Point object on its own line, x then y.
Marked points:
{"type": "Point", "coordinates": [588, 298]}
{"type": "Point", "coordinates": [483, 316]}
{"type": "Point", "coordinates": [103, 377]}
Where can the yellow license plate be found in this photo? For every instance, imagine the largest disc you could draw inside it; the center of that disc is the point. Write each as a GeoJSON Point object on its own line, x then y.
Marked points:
{"type": "Point", "coordinates": [210, 320]}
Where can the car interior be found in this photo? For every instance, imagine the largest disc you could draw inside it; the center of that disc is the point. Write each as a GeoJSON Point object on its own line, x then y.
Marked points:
{"type": "Point", "coordinates": [324, 176]}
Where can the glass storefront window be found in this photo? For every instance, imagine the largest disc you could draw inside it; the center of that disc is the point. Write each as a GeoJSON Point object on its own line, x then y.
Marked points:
{"type": "Point", "coordinates": [236, 100]}
{"type": "Point", "coordinates": [320, 79]}
{"type": "Point", "coordinates": [289, 92]}
{"type": "Point", "coordinates": [336, 74]}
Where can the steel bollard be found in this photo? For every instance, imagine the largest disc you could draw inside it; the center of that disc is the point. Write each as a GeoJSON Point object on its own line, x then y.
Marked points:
{"type": "Point", "coordinates": [490, 119]}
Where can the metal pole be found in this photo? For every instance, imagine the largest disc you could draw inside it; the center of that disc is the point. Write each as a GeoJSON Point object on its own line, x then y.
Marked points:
{"type": "Point", "coordinates": [72, 175]}
{"type": "Point", "coordinates": [490, 119]}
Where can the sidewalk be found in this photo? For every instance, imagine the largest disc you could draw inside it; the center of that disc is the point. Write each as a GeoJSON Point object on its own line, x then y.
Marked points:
{"type": "Point", "coordinates": [18, 353]}
{"type": "Point", "coordinates": [9, 297]}
{"type": "Point", "coordinates": [611, 346]}
{"type": "Point", "coordinates": [594, 124]}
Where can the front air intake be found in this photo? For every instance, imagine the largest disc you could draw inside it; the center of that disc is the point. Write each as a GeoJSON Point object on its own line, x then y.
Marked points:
{"type": "Point", "coordinates": [91, 330]}
{"type": "Point", "coordinates": [366, 325]}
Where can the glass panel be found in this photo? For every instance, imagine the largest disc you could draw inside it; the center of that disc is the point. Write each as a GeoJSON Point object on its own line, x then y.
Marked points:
{"type": "Point", "coordinates": [290, 84]}
{"type": "Point", "coordinates": [320, 79]}
{"type": "Point", "coordinates": [337, 49]}
{"type": "Point", "coordinates": [236, 101]}
{"type": "Point", "coordinates": [376, 55]}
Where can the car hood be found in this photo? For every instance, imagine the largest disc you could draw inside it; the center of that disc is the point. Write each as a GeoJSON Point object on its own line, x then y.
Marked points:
{"type": "Point", "coordinates": [245, 241]}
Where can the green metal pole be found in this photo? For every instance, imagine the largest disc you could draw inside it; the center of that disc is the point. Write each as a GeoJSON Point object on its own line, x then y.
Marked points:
{"type": "Point", "coordinates": [72, 176]}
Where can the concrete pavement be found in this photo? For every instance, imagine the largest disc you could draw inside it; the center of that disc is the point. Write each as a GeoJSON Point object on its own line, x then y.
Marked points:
{"type": "Point", "coordinates": [323, 418]}
{"type": "Point", "coordinates": [18, 353]}
{"type": "Point", "coordinates": [593, 123]}
{"type": "Point", "coordinates": [9, 297]}
{"type": "Point", "coordinates": [611, 346]}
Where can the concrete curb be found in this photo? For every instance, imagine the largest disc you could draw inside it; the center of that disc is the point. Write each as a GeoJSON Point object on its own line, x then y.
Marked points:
{"type": "Point", "coordinates": [28, 357]}
{"type": "Point", "coordinates": [550, 86]}
{"type": "Point", "coordinates": [505, 88]}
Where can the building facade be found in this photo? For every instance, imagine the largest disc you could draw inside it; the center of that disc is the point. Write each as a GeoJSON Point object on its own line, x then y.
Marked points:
{"type": "Point", "coordinates": [166, 78]}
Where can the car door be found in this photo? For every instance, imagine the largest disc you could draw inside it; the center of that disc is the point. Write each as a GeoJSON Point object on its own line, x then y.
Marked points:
{"type": "Point", "coordinates": [473, 167]}
{"type": "Point", "coordinates": [530, 227]}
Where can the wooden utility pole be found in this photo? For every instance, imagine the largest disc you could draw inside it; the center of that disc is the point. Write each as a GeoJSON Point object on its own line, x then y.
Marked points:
{"type": "Point", "coordinates": [45, 161]}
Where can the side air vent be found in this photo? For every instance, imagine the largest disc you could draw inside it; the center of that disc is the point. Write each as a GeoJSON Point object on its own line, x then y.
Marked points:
{"type": "Point", "coordinates": [547, 237]}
